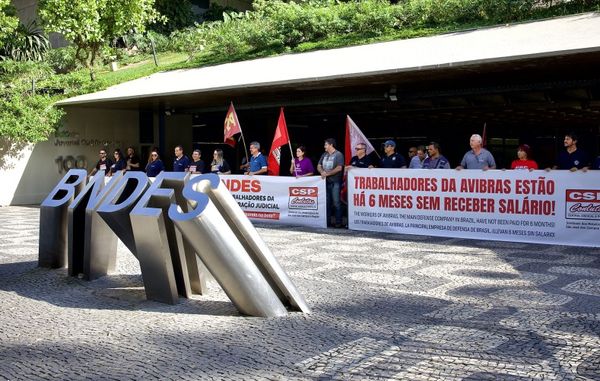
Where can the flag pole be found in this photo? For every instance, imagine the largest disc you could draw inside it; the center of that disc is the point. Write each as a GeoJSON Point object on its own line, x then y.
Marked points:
{"type": "Point", "coordinates": [290, 145]}
{"type": "Point", "coordinates": [243, 140]}
{"type": "Point", "coordinates": [245, 148]}
{"type": "Point", "coordinates": [292, 152]}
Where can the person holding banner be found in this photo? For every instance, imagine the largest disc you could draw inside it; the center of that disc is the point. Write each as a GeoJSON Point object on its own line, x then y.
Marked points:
{"type": "Point", "coordinates": [478, 157]}
{"type": "Point", "coordinates": [301, 165]}
{"type": "Point", "coordinates": [331, 169]}
{"type": "Point", "coordinates": [418, 160]}
{"type": "Point", "coordinates": [197, 166]}
{"type": "Point", "coordinates": [361, 160]}
{"type": "Point", "coordinates": [412, 152]}
{"type": "Point", "coordinates": [524, 161]}
{"type": "Point", "coordinates": [572, 158]}
{"type": "Point", "coordinates": [391, 158]}
{"type": "Point", "coordinates": [219, 165]}
{"type": "Point", "coordinates": [258, 163]}
{"type": "Point", "coordinates": [435, 160]}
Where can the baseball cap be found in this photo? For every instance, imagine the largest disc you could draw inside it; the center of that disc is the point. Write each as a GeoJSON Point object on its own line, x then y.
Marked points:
{"type": "Point", "coordinates": [390, 143]}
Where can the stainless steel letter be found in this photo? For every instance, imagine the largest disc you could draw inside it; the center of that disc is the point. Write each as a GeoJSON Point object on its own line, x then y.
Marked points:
{"type": "Point", "coordinates": [222, 253]}
{"type": "Point", "coordinates": [53, 219]}
{"type": "Point", "coordinates": [92, 243]}
{"type": "Point", "coordinates": [158, 244]}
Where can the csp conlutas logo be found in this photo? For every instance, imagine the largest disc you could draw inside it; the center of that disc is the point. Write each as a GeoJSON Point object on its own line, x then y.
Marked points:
{"type": "Point", "coordinates": [304, 198]}
{"type": "Point", "coordinates": [582, 204]}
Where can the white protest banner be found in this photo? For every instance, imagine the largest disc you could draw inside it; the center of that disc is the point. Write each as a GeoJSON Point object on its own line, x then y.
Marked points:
{"type": "Point", "coordinates": [555, 207]}
{"type": "Point", "coordinates": [281, 200]}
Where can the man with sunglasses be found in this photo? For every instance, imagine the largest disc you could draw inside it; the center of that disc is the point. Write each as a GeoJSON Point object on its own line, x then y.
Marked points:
{"type": "Point", "coordinates": [104, 163]}
{"type": "Point", "coordinates": [361, 159]}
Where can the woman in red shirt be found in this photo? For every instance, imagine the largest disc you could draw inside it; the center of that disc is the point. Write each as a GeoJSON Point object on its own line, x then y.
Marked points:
{"type": "Point", "coordinates": [523, 161]}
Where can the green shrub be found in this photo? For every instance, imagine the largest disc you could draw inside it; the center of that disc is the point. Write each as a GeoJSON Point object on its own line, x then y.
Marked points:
{"type": "Point", "coordinates": [161, 42]}
{"type": "Point", "coordinates": [191, 41]}
{"type": "Point", "coordinates": [371, 18]}
{"type": "Point", "coordinates": [62, 60]}
{"type": "Point", "coordinates": [27, 43]}
{"type": "Point", "coordinates": [178, 13]}
{"type": "Point", "coordinates": [215, 12]}
{"type": "Point", "coordinates": [26, 115]}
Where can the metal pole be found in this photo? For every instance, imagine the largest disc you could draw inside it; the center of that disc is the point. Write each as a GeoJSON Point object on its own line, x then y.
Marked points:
{"type": "Point", "coordinates": [153, 51]}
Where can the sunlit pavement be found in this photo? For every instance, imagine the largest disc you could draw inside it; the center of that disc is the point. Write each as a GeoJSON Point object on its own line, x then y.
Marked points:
{"type": "Point", "coordinates": [384, 307]}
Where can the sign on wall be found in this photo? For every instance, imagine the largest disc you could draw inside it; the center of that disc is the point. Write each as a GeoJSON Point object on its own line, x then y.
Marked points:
{"type": "Point", "coordinates": [280, 200]}
{"type": "Point", "coordinates": [557, 207]}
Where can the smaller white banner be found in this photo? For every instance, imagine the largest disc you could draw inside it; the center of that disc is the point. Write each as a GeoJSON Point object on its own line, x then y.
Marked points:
{"type": "Point", "coordinates": [280, 200]}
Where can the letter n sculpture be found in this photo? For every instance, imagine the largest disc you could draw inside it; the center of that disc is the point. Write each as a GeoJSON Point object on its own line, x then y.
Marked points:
{"type": "Point", "coordinates": [180, 228]}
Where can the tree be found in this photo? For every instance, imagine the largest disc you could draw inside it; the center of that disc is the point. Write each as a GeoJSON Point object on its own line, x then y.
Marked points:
{"type": "Point", "coordinates": [179, 13]}
{"type": "Point", "coordinates": [8, 20]}
{"type": "Point", "coordinates": [26, 116]}
{"type": "Point", "coordinates": [93, 24]}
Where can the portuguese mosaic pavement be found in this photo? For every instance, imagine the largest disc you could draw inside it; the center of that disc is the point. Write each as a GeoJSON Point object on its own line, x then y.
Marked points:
{"type": "Point", "coordinates": [384, 308]}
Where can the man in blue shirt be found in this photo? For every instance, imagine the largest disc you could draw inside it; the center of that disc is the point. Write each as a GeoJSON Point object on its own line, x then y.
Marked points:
{"type": "Point", "coordinates": [418, 160]}
{"type": "Point", "coordinates": [478, 157]}
{"type": "Point", "coordinates": [181, 161]}
{"type": "Point", "coordinates": [435, 160]}
{"type": "Point", "coordinates": [258, 163]}
{"type": "Point", "coordinates": [572, 158]}
{"type": "Point", "coordinates": [391, 158]}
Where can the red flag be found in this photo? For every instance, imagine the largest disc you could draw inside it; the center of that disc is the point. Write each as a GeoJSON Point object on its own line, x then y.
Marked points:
{"type": "Point", "coordinates": [231, 126]}
{"type": "Point", "coordinates": [281, 138]}
{"type": "Point", "coordinates": [355, 136]}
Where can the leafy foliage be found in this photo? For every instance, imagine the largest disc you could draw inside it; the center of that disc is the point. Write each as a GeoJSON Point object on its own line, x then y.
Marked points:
{"type": "Point", "coordinates": [8, 19]}
{"type": "Point", "coordinates": [273, 27]}
{"type": "Point", "coordinates": [215, 12]}
{"type": "Point", "coordinates": [178, 14]}
{"type": "Point", "coordinates": [92, 24]}
{"type": "Point", "coordinates": [28, 43]}
{"type": "Point", "coordinates": [276, 26]}
{"type": "Point", "coordinates": [25, 115]}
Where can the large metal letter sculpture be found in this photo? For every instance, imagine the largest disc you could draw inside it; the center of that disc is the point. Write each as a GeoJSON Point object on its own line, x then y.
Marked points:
{"type": "Point", "coordinates": [159, 245]}
{"type": "Point", "coordinates": [216, 221]}
{"type": "Point", "coordinates": [203, 219]}
{"type": "Point", "coordinates": [92, 243]}
{"type": "Point", "coordinates": [53, 219]}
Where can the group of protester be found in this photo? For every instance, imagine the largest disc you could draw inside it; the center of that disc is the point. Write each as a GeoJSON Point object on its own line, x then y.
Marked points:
{"type": "Point", "coordinates": [155, 165]}
{"type": "Point", "coordinates": [331, 163]}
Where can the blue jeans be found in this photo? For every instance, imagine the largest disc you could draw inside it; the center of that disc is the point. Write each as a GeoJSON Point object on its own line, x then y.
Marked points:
{"type": "Point", "coordinates": [334, 202]}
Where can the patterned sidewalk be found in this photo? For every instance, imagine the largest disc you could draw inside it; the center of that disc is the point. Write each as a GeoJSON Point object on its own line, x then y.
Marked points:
{"type": "Point", "coordinates": [384, 307]}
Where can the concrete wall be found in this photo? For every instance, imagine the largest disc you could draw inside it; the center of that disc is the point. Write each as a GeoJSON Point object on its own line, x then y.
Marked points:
{"type": "Point", "coordinates": [28, 173]}
{"type": "Point", "coordinates": [27, 12]}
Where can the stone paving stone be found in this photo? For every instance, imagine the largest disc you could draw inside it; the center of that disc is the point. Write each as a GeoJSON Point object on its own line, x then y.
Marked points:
{"type": "Point", "coordinates": [385, 307]}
